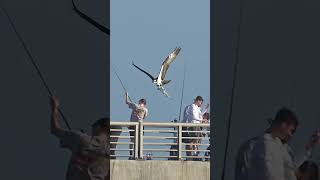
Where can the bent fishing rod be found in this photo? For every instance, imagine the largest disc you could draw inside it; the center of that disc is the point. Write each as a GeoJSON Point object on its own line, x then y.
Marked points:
{"type": "Point", "coordinates": [182, 90]}
{"type": "Point", "coordinates": [33, 62]}
{"type": "Point", "coordinates": [90, 20]}
{"type": "Point", "coordinates": [124, 88]}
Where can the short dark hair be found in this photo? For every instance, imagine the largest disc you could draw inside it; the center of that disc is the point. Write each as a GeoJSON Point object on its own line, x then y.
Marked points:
{"type": "Point", "coordinates": [102, 122]}
{"type": "Point", "coordinates": [199, 98]}
{"type": "Point", "coordinates": [143, 101]}
{"type": "Point", "coordinates": [206, 114]}
{"type": "Point", "coordinates": [285, 115]}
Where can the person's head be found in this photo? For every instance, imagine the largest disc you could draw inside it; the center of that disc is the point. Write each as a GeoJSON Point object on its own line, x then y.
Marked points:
{"type": "Point", "coordinates": [101, 126]}
{"type": "Point", "coordinates": [206, 116]}
{"type": "Point", "coordinates": [308, 171]}
{"type": "Point", "coordinates": [142, 102]}
{"type": "Point", "coordinates": [198, 101]}
{"type": "Point", "coordinates": [284, 124]}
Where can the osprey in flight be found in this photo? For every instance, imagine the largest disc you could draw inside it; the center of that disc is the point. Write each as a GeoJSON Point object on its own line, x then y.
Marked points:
{"type": "Point", "coordinates": [159, 81]}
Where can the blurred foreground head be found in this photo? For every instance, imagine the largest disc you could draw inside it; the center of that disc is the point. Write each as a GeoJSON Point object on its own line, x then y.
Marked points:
{"type": "Point", "coordinates": [308, 171]}
{"type": "Point", "coordinates": [101, 126]}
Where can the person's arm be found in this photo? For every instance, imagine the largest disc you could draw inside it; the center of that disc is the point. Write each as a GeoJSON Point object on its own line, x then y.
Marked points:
{"type": "Point", "coordinates": [55, 127]}
{"type": "Point", "coordinates": [127, 99]}
{"type": "Point", "coordinates": [126, 95]}
{"type": "Point", "coordinates": [306, 153]}
{"type": "Point", "coordinates": [146, 114]}
{"type": "Point", "coordinates": [301, 157]}
{"type": "Point", "coordinates": [70, 139]}
{"type": "Point", "coordinates": [206, 109]}
{"type": "Point", "coordinates": [129, 103]}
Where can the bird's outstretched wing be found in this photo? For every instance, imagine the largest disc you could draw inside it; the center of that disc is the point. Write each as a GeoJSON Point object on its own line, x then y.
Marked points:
{"type": "Point", "coordinates": [165, 65]}
{"type": "Point", "coordinates": [144, 71]}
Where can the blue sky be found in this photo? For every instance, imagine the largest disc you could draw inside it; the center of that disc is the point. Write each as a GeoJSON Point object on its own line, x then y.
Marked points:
{"type": "Point", "coordinates": [146, 31]}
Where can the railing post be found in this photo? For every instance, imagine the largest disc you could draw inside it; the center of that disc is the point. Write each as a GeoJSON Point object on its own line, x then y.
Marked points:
{"type": "Point", "coordinates": [180, 142]}
{"type": "Point", "coordinates": [141, 139]}
{"type": "Point", "coordinates": [136, 141]}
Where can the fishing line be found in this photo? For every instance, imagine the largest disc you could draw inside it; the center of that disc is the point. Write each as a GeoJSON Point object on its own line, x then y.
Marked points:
{"type": "Point", "coordinates": [235, 70]}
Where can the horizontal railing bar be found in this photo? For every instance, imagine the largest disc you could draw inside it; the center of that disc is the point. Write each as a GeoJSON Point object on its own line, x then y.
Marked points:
{"type": "Point", "coordinates": [195, 137]}
{"type": "Point", "coordinates": [157, 131]}
{"type": "Point", "coordinates": [197, 131]}
{"type": "Point", "coordinates": [196, 150]}
{"type": "Point", "coordinates": [196, 156]}
{"type": "Point", "coordinates": [121, 143]}
{"type": "Point", "coordinates": [195, 144]}
{"type": "Point", "coordinates": [158, 137]}
{"type": "Point", "coordinates": [123, 137]}
{"type": "Point", "coordinates": [160, 124]}
{"type": "Point", "coordinates": [121, 155]}
{"type": "Point", "coordinates": [112, 123]}
{"type": "Point", "coordinates": [160, 131]}
{"type": "Point", "coordinates": [175, 124]}
{"type": "Point", "coordinates": [161, 150]}
{"type": "Point", "coordinates": [163, 156]}
{"type": "Point", "coordinates": [167, 150]}
{"type": "Point", "coordinates": [164, 144]}
{"type": "Point", "coordinates": [114, 149]}
{"type": "Point", "coordinates": [120, 130]}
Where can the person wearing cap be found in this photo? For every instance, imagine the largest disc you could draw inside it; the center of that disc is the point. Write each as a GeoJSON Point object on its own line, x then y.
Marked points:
{"type": "Point", "coordinates": [138, 114]}
{"type": "Point", "coordinates": [268, 156]}
{"type": "Point", "coordinates": [193, 114]}
{"type": "Point", "coordinates": [90, 153]}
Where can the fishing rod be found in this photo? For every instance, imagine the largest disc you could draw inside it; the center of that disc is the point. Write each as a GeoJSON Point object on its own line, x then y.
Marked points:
{"type": "Point", "coordinates": [182, 90]}
{"type": "Point", "coordinates": [235, 71]}
{"type": "Point", "coordinates": [90, 20]}
{"type": "Point", "coordinates": [33, 62]}
{"type": "Point", "coordinates": [124, 88]}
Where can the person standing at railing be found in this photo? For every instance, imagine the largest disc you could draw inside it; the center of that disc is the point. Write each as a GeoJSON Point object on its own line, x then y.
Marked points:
{"type": "Point", "coordinates": [193, 114]}
{"type": "Point", "coordinates": [206, 119]}
{"type": "Point", "coordinates": [138, 114]}
{"type": "Point", "coordinates": [268, 156]}
{"type": "Point", "coordinates": [90, 153]}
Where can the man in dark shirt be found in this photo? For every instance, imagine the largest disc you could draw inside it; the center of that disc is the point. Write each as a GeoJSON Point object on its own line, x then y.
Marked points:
{"type": "Point", "coordinates": [90, 154]}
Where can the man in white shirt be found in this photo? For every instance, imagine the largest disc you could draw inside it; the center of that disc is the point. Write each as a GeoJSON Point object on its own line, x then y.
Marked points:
{"type": "Point", "coordinates": [268, 156]}
{"type": "Point", "coordinates": [193, 114]}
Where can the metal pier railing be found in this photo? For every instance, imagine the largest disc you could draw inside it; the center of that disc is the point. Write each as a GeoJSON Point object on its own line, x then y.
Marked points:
{"type": "Point", "coordinates": [158, 140]}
